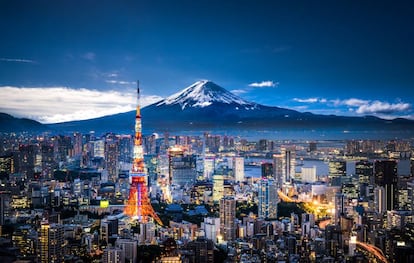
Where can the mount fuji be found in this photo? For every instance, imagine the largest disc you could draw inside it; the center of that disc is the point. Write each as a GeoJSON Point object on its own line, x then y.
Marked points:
{"type": "Point", "coordinates": [206, 106]}
{"type": "Point", "coordinates": [202, 94]}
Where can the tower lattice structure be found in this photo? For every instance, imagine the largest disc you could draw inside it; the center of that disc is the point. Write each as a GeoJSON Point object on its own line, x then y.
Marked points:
{"type": "Point", "coordinates": [139, 205]}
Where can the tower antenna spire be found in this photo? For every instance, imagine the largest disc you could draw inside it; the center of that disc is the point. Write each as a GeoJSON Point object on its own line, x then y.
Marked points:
{"type": "Point", "coordinates": [138, 89]}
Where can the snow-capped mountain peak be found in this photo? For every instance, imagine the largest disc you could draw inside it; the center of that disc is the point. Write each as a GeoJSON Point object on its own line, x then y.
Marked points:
{"type": "Point", "coordinates": [202, 94]}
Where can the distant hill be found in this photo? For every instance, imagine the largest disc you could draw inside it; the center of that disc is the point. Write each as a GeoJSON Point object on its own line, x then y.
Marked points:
{"type": "Point", "coordinates": [9, 123]}
{"type": "Point", "coordinates": [207, 106]}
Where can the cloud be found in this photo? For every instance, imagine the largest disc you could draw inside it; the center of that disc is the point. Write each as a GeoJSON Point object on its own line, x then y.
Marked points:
{"type": "Point", "coordinates": [112, 75]}
{"type": "Point", "coordinates": [354, 102]}
{"type": "Point", "coordinates": [382, 109]}
{"type": "Point", "coordinates": [309, 100]}
{"type": "Point", "coordinates": [268, 83]}
{"type": "Point", "coordinates": [119, 82]}
{"type": "Point", "coordinates": [19, 60]}
{"type": "Point", "coordinates": [379, 107]}
{"type": "Point", "coordinates": [60, 104]}
{"type": "Point", "coordinates": [89, 56]}
{"type": "Point", "coordinates": [238, 91]}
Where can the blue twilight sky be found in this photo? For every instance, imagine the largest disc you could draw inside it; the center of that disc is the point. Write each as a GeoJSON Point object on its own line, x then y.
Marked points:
{"type": "Point", "coordinates": [65, 60]}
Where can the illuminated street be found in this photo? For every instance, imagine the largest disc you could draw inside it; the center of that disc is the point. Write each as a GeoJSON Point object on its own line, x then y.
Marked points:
{"type": "Point", "coordinates": [373, 250]}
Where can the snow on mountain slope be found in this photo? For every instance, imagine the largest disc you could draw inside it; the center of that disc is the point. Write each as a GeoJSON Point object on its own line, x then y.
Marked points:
{"type": "Point", "coordinates": [203, 94]}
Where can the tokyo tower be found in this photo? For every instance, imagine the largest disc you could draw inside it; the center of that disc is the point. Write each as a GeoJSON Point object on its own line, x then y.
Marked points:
{"type": "Point", "coordinates": [139, 205]}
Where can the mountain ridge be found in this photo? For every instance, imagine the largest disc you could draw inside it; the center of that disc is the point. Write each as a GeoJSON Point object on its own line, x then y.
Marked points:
{"type": "Point", "coordinates": [205, 105]}
{"type": "Point", "coordinates": [8, 123]}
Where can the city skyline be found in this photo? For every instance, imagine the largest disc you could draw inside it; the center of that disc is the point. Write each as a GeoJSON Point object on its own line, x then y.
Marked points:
{"type": "Point", "coordinates": [67, 61]}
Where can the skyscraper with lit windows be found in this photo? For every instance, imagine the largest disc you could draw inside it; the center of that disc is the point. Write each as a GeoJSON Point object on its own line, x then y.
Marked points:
{"type": "Point", "coordinates": [289, 163]}
{"type": "Point", "coordinates": [268, 198]}
{"type": "Point", "coordinates": [111, 159]}
{"type": "Point", "coordinates": [337, 170]}
{"type": "Point", "coordinates": [51, 243]}
{"type": "Point", "coordinates": [278, 170]}
{"type": "Point", "coordinates": [228, 218]}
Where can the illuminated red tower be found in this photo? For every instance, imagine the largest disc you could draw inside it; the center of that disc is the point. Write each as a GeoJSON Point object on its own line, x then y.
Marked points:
{"type": "Point", "coordinates": [139, 205]}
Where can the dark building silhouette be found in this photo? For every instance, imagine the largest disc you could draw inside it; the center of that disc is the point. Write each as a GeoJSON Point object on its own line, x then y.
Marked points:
{"type": "Point", "coordinates": [48, 161]}
{"type": "Point", "coordinates": [267, 170]}
{"type": "Point", "coordinates": [6, 165]}
{"type": "Point", "coordinates": [201, 250]}
{"type": "Point", "coordinates": [26, 160]}
{"type": "Point", "coordinates": [385, 174]}
{"type": "Point", "coordinates": [313, 146]}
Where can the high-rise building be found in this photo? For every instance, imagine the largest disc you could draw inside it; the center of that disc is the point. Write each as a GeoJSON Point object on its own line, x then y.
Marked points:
{"type": "Point", "coordinates": [51, 243]}
{"type": "Point", "coordinates": [228, 218]}
{"type": "Point", "coordinates": [267, 170]}
{"type": "Point", "coordinates": [63, 148]}
{"type": "Point", "coordinates": [111, 159]}
{"type": "Point", "coordinates": [313, 147]}
{"type": "Point", "coordinates": [146, 233]}
{"type": "Point", "coordinates": [129, 247]}
{"type": "Point", "coordinates": [337, 172]}
{"type": "Point", "coordinates": [6, 165]}
{"type": "Point", "coordinates": [385, 174]}
{"type": "Point", "coordinates": [77, 145]}
{"type": "Point", "coordinates": [182, 167]}
{"type": "Point", "coordinates": [352, 147]}
{"type": "Point", "coordinates": [218, 187]}
{"type": "Point", "coordinates": [404, 164]}
{"type": "Point", "coordinates": [211, 228]}
{"type": "Point", "coordinates": [4, 203]}
{"type": "Point", "coordinates": [228, 142]}
{"type": "Point", "coordinates": [202, 250]}
{"type": "Point", "coordinates": [268, 198]}
{"type": "Point", "coordinates": [212, 143]}
{"type": "Point", "coordinates": [208, 166]}
{"type": "Point", "coordinates": [263, 145]}
{"type": "Point", "coordinates": [113, 255]}
{"type": "Point", "coordinates": [109, 228]}
{"type": "Point", "coordinates": [410, 196]}
{"type": "Point", "coordinates": [99, 148]}
{"type": "Point", "coordinates": [278, 170]}
{"type": "Point", "coordinates": [340, 203]}
{"type": "Point", "coordinates": [26, 160]}
{"type": "Point", "coordinates": [125, 149]}
{"type": "Point", "coordinates": [289, 163]}
{"type": "Point", "coordinates": [350, 190]}
{"type": "Point", "coordinates": [238, 169]}
{"type": "Point", "coordinates": [48, 161]}
{"type": "Point", "coordinates": [44, 242]}
{"type": "Point", "coordinates": [309, 174]}
{"type": "Point", "coordinates": [365, 172]}
{"type": "Point", "coordinates": [307, 222]}
{"type": "Point", "coordinates": [25, 238]}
